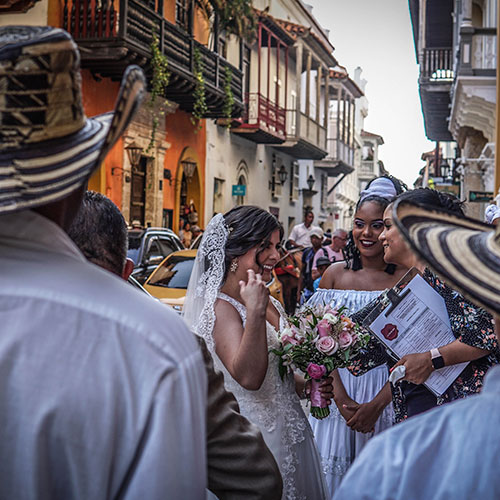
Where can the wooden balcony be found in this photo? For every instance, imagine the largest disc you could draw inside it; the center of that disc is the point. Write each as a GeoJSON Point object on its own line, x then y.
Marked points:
{"type": "Point", "coordinates": [111, 38]}
{"type": "Point", "coordinates": [263, 120]}
{"type": "Point", "coordinates": [435, 81]}
{"type": "Point", "coordinates": [305, 141]}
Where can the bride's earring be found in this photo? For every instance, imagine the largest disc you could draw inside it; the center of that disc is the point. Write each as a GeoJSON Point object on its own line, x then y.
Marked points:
{"type": "Point", "coordinates": [234, 265]}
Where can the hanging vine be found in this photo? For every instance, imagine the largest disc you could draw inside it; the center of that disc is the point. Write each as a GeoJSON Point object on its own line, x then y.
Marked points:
{"type": "Point", "coordinates": [227, 108]}
{"type": "Point", "coordinates": [200, 108]}
{"type": "Point", "coordinates": [159, 83]}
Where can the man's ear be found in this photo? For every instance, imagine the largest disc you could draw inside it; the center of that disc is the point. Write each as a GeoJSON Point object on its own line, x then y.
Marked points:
{"type": "Point", "coordinates": [127, 268]}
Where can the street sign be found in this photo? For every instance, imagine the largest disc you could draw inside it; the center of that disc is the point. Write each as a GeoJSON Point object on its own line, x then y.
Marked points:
{"type": "Point", "coordinates": [480, 196]}
{"type": "Point", "coordinates": [239, 190]}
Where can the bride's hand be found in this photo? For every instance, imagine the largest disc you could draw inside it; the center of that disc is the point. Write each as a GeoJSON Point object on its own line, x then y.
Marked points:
{"type": "Point", "coordinates": [326, 389]}
{"type": "Point", "coordinates": [254, 292]}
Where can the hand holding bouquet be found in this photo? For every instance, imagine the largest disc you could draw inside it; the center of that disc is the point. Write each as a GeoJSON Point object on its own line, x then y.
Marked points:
{"type": "Point", "coordinates": [318, 340]}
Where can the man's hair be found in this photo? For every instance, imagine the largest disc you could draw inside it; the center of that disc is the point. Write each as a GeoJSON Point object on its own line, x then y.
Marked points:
{"type": "Point", "coordinates": [100, 232]}
{"type": "Point", "coordinates": [339, 232]}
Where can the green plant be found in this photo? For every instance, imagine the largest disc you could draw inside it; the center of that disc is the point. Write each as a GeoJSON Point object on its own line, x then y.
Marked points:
{"type": "Point", "coordinates": [200, 108]}
{"type": "Point", "coordinates": [236, 17]}
{"type": "Point", "coordinates": [227, 108]}
{"type": "Point", "coordinates": [159, 83]}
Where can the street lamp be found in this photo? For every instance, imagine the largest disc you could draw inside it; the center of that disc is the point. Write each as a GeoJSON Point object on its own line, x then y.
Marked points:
{"type": "Point", "coordinates": [310, 182]}
{"type": "Point", "coordinates": [188, 168]}
{"type": "Point", "coordinates": [134, 153]}
{"type": "Point", "coordinates": [282, 174]}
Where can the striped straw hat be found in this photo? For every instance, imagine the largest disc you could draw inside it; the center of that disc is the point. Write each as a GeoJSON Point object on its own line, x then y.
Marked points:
{"type": "Point", "coordinates": [48, 147]}
{"type": "Point", "coordinates": [463, 251]}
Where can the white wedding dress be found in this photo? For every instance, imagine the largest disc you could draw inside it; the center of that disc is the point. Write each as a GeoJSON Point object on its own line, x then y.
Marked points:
{"type": "Point", "coordinates": [275, 408]}
{"type": "Point", "coordinates": [338, 445]}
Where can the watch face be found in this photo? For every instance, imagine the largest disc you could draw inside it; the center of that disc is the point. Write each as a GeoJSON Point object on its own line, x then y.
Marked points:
{"type": "Point", "coordinates": [438, 362]}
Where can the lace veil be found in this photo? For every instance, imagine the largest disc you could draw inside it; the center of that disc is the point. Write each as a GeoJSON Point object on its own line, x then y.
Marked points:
{"type": "Point", "coordinates": [206, 280]}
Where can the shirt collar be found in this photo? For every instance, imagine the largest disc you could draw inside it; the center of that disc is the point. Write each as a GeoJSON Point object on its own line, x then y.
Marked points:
{"type": "Point", "coordinates": [29, 229]}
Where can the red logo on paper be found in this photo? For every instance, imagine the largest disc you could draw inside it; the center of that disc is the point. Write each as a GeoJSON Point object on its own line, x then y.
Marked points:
{"type": "Point", "coordinates": [390, 332]}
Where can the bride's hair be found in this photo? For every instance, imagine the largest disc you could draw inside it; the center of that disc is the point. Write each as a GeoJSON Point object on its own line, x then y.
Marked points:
{"type": "Point", "coordinates": [248, 227]}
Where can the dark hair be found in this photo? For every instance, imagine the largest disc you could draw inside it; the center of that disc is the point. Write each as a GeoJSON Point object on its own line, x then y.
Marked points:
{"type": "Point", "coordinates": [100, 232]}
{"type": "Point", "coordinates": [351, 252]}
{"type": "Point", "coordinates": [431, 198]}
{"type": "Point", "coordinates": [249, 226]}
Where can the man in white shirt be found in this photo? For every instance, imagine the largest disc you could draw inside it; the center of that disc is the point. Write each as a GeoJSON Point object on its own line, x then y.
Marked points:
{"type": "Point", "coordinates": [451, 451]}
{"type": "Point", "coordinates": [103, 391]}
{"type": "Point", "coordinates": [300, 236]}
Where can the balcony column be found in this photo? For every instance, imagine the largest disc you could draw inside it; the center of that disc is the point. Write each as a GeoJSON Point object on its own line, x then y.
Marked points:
{"type": "Point", "coordinates": [339, 97]}
{"type": "Point", "coordinates": [327, 98]}
{"type": "Point", "coordinates": [319, 75]}
{"type": "Point", "coordinates": [308, 83]}
{"type": "Point", "coordinates": [343, 116]}
{"type": "Point", "coordinates": [466, 13]}
{"type": "Point", "coordinates": [298, 78]}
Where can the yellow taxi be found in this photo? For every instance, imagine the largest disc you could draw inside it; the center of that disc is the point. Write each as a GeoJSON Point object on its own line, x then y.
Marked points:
{"type": "Point", "coordinates": [169, 281]}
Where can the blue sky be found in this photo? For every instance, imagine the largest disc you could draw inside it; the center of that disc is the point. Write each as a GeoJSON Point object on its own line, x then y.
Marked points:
{"type": "Point", "coordinates": [377, 35]}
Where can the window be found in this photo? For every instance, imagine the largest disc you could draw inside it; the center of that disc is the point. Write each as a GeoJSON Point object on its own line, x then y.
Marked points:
{"type": "Point", "coordinates": [291, 119]}
{"type": "Point", "coordinates": [174, 273]}
{"type": "Point", "coordinates": [218, 195]}
{"type": "Point", "coordinates": [222, 48]}
{"type": "Point", "coordinates": [294, 182]}
{"type": "Point", "coordinates": [240, 200]}
{"type": "Point", "coordinates": [276, 187]}
{"type": "Point", "coordinates": [182, 13]}
{"type": "Point", "coordinates": [246, 69]}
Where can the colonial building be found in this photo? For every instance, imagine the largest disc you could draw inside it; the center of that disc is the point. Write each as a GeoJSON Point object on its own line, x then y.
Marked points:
{"type": "Point", "coordinates": [149, 178]}
{"type": "Point", "coordinates": [257, 159]}
{"type": "Point", "coordinates": [455, 44]}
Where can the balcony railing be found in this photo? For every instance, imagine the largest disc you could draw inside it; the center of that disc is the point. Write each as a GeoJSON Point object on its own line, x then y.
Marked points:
{"type": "Point", "coordinates": [111, 38]}
{"type": "Point", "coordinates": [367, 168]}
{"type": "Point", "coordinates": [263, 113]}
{"type": "Point", "coordinates": [339, 150]}
{"type": "Point", "coordinates": [437, 65]}
{"type": "Point", "coordinates": [484, 53]}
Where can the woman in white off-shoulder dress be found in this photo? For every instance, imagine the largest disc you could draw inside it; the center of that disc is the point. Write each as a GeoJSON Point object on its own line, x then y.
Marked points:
{"type": "Point", "coordinates": [362, 404]}
{"type": "Point", "coordinates": [229, 305]}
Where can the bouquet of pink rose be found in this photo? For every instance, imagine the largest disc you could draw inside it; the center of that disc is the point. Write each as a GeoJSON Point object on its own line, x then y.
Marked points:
{"type": "Point", "coordinates": [318, 340]}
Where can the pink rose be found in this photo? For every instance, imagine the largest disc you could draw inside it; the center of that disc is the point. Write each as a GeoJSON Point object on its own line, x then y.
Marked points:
{"type": "Point", "coordinates": [327, 345]}
{"type": "Point", "coordinates": [316, 371]}
{"type": "Point", "coordinates": [345, 339]}
{"type": "Point", "coordinates": [323, 328]}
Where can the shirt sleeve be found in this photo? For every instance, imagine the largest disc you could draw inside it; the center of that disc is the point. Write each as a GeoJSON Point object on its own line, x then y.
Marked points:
{"type": "Point", "coordinates": [174, 436]}
{"type": "Point", "coordinates": [233, 443]}
{"type": "Point", "coordinates": [293, 234]}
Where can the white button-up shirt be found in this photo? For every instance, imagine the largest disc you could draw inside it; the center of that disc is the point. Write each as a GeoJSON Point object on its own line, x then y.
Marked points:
{"type": "Point", "coordinates": [450, 452]}
{"type": "Point", "coordinates": [302, 234]}
{"type": "Point", "coordinates": [102, 390]}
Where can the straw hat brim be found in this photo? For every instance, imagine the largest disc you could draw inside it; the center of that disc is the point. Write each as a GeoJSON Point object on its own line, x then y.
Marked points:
{"type": "Point", "coordinates": [463, 251]}
{"type": "Point", "coordinates": [50, 170]}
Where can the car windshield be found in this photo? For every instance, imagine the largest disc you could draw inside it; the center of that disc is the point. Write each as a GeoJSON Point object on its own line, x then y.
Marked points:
{"type": "Point", "coordinates": [173, 273]}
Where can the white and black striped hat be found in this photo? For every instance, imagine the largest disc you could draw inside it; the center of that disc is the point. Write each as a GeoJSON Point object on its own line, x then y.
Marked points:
{"type": "Point", "coordinates": [48, 147]}
{"type": "Point", "coordinates": [464, 252]}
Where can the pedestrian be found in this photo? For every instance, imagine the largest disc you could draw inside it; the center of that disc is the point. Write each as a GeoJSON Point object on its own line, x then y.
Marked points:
{"type": "Point", "coordinates": [322, 264]}
{"type": "Point", "coordinates": [305, 287]}
{"type": "Point", "coordinates": [300, 236]}
{"type": "Point", "coordinates": [450, 451]}
{"type": "Point", "coordinates": [193, 214]}
{"type": "Point", "coordinates": [100, 231]}
{"type": "Point", "coordinates": [195, 231]}
{"type": "Point", "coordinates": [187, 235]}
{"type": "Point", "coordinates": [332, 252]}
{"type": "Point", "coordinates": [102, 388]}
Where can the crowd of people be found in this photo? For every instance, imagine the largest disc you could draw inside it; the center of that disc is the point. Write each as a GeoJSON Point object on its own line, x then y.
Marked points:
{"type": "Point", "coordinates": [107, 393]}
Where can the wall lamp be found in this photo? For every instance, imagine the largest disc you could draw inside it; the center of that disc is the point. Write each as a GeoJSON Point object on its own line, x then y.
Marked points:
{"type": "Point", "coordinates": [134, 153]}
{"type": "Point", "coordinates": [125, 172]}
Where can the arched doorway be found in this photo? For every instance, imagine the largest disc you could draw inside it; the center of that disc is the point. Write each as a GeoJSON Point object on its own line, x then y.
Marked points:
{"type": "Point", "coordinates": [242, 180]}
{"type": "Point", "coordinates": [188, 188]}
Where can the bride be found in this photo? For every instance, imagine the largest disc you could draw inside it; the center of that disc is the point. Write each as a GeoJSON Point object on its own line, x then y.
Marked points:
{"type": "Point", "coordinates": [228, 304]}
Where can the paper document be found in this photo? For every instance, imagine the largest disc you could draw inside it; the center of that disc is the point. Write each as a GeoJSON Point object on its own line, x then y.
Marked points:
{"type": "Point", "coordinates": [412, 320]}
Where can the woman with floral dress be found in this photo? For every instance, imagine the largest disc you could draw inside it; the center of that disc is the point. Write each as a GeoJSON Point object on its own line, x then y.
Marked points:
{"type": "Point", "coordinates": [471, 325]}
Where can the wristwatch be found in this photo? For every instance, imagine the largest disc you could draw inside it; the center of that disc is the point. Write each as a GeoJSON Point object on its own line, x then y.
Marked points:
{"type": "Point", "coordinates": [436, 359]}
